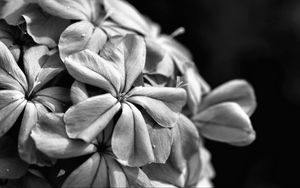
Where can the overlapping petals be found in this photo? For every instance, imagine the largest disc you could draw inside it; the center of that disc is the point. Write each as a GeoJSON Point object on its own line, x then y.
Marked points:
{"type": "Point", "coordinates": [117, 76]}
{"type": "Point", "coordinates": [224, 113]}
{"type": "Point", "coordinates": [25, 92]}
{"type": "Point", "coordinates": [101, 169]}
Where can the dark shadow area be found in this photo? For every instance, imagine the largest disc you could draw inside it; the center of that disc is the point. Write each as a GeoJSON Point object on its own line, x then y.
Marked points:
{"type": "Point", "coordinates": [257, 40]}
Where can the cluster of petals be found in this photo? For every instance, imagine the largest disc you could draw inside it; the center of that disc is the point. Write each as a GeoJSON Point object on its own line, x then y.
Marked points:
{"type": "Point", "coordinates": [93, 90]}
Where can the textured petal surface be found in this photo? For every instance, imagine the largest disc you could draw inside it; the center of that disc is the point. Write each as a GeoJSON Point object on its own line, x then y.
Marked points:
{"type": "Point", "coordinates": [79, 36]}
{"type": "Point", "coordinates": [10, 71]}
{"type": "Point", "coordinates": [225, 122]}
{"type": "Point", "coordinates": [90, 68]}
{"type": "Point", "coordinates": [85, 175]}
{"type": "Point", "coordinates": [126, 15]}
{"type": "Point", "coordinates": [26, 146]}
{"type": "Point", "coordinates": [9, 115]}
{"type": "Point", "coordinates": [130, 139]}
{"type": "Point", "coordinates": [162, 104]}
{"type": "Point", "coordinates": [51, 138]}
{"type": "Point", "coordinates": [78, 92]}
{"type": "Point", "coordinates": [238, 91]}
{"type": "Point", "coordinates": [44, 28]}
{"type": "Point", "coordinates": [72, 9]}
{"type": "Point", "coordinates": [41, 65]}
{"type": "Point", "coordinates": [87, 119]}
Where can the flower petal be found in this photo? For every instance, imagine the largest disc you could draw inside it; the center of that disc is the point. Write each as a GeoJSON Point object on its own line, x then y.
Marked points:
{"type": "Point", "coordinates": [136, 177]}
{"type": "Point", "coordinates": [162, 104]}
{"type": "Point", "coordinates": [85, 175]}
{"type": "Point", "coordinates": [9, 96]}
{"type": "Point", "coordinates": [11, 10]}
{"type": "Point", "coordinates": [56, 99]}
{"type": "Point", "coordinates": [72, 9]}
{"type": "Point", "coordinates": [9, 115]}
{"type": "Point", "coordinates": [238, 91]}
{"type": "Point", "coordinates": [41, 65]}
{"type": "Point", "coordinates": [135, 53]}
{"type": "Point", "coordinates": [51, 138]}
{"type": "Point", "coordinates": [88, 67]}
{"type": "Point", "coordinates": [59, 93]}
{"type": "Point", "coordinates": [174, 98]}
{"type": "Point", "coordinates": [161, 140]}
{"type": "Point", "coordinates": [44, 28]}
{"type": "Point", "coordinates": [196, 88]}
{"type": "Point", "coordinates": [186, 143]}
{"type": "Point", "coordinates": [9, 68]}
{"type": "Point", "coordinates": [26, 146]}
{"type": "Point", "coordinates": [177, 51]}
{"type": "Point", "coordinates": [130, 140]}
{"type": "Point", "coordinates": [116, 176]}
{"type": "Point", "coordinates": [11, 166]}
{"type": "Point", "coordinates": [87, 119]}
{"type": "Point", "coordinates": [158, 61]}
{"type": "Point", "coordinates": [126, 15]}
{"type": "Point", "coordinates": [225, 122]}
{"type": "Point", "coordinates": [78, 92]}
{"type": "Point", "coordinates": [80, 36]}
{"type": "Point", "coordinates": [101, 177]}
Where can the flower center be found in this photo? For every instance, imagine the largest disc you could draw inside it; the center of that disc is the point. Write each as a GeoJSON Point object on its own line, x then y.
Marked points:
{"type": "Point", "coordinates": [122, 97]}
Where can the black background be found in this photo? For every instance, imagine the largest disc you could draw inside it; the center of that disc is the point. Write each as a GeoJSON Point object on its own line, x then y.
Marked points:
{"type": "Point", "coordinates": [257, 40]}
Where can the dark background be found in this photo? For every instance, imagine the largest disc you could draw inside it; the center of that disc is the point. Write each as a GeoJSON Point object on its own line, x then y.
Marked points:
{"type": "Point", "coordinates": [257, 40]}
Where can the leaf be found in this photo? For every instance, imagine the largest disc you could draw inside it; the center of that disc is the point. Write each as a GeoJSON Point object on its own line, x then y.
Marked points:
{"type": "Point", "coordinates": [50, 137]}
{"type": "Point", "coordinates": [78, 92]}
{"type": "Point", "coordinates": [80, 36]}
{"type": "Point", "coordinates": [41, 65]}
{"type": "Point", "coordinates": [72, 9]}
{"type": "Point", "coordinates": [126, 15]}
{"type": "Point", "coordinates": [10, 71]}
{"type": "Point", "coordinates": [88, 118]}
{"type": "Point", "coordinates": [238, 91]}
{"type": "Point", "coordinates": [9, 115]}
{"type": "Point", "coordinates": [11, 166]}
{"type": "Point", "coordinates": [85, 175]}
{"type": "Point", "coordinates": [32, 180]}
{"type": "Point", "coordinates": [87, 67]}
{"type": "Point", "coordinates": [130, 140]}
{"type": "Point", "coordinates": [26, 146]}
{"type": "Point", "coordinates": [44, 28]}
{"type": "Point", "coordinates": [225, 122]}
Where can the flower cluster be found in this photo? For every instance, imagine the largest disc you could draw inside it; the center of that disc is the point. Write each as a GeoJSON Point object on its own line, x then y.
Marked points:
{"type": "Point", "coordinates": [93, 95]}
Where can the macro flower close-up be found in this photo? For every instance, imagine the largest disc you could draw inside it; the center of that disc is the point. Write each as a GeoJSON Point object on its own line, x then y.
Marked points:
{"type": "Point", "coordinates": [93, 94]}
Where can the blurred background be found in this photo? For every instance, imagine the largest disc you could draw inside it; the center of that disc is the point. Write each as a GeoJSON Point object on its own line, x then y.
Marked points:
{"type": "Point", "coordinates": [257, 40]}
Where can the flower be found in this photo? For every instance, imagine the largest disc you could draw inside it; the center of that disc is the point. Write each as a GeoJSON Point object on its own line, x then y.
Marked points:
{"type": "Point", "coordinates": [100, 169]}
{"type": "Point", "coordinates": [27, 92]}
{"type": "Point", "coordinates": [223, 114]}
{"type": "Point", "coordinates": [117, 75]}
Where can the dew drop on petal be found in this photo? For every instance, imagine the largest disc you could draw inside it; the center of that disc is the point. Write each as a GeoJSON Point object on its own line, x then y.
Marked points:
{"type": "Point", "coordinates": [153, 146]}
{"type": "Point", "coordinates": [83, 35]}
